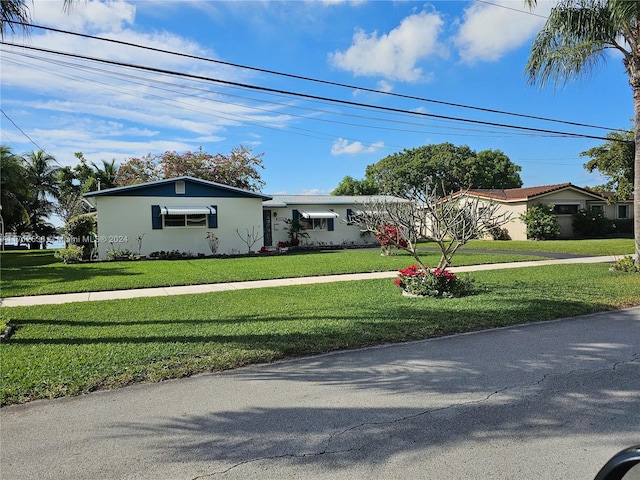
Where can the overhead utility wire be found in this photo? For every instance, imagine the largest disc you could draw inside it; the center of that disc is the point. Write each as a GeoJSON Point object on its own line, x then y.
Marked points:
{"type": "Point", "coordinates": [304, 95]}
{"type": "Point", "coordinates": [129, 78]}
{"type": "Point", "coordinates": [21, 131]}
{"type": "Point", "coordinates": [27, 136]}
{"type": "Point", "coordinates": [513, 9]}
{"type": "Point", "coordinates": [227, 115]}
{"type": "Point", "coordinates": [316, 80]}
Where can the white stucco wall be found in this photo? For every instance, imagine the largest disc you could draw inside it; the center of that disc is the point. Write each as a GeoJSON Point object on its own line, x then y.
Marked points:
{"type": "Point", "coordinates": [343, 234]}
{"type": "Point", "coordinates": [121, 219]}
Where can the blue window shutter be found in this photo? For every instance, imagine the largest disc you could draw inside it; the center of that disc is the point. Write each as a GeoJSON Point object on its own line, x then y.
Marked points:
{"type": "Point", "coordinates": [349, 215]}
{"type": "Point", "coordinates": [330, 224]}
{"type": "Point", "coordinates": [296, 215]}
{"type": "Point", "coordinates": [212, 218]}
{"type": "Point", "coordinates": [156, 218]}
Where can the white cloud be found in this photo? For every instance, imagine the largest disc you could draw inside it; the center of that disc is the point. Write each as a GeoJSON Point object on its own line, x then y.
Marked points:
{"type": "Point", "coordinates": [341, 2]}
{"type": "Point", "coordinates": [489, 31]}
{"type": "Point", "coordinates": [393, 55]}
{"type": "Point", "coordinates": [312, 191]}
{"type": "Point", "coordinates": [93, 107]}
{"type": "Point", "coordinates": [385, 86]}
{"type": "Point", "coordinates": [89, 15]}
{"type": "Point", "coordinates": [342, 147]}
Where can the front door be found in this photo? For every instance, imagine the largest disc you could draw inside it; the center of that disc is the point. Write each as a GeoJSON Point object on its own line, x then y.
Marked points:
{"type": "Point", "coordinates": [266, 221]}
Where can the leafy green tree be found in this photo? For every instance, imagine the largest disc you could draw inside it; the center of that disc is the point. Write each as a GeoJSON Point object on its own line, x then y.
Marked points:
{"type": "Point", "coordinates": [451, 167]}
{"type": "Point", "coordinates": [350, 186]}
{"type": "Point", "coordinates": [240, 168]}
{"type": "Point", "coordinates": [614, 160]}
{"type": "Point", "coordinates": [541, 222]}
{"type": "Point", "coordinates": [574, 41]}
{"type": "Point", "coordinates": [139, 170]}
{"type": "Point", "coordinates": [490, 169]}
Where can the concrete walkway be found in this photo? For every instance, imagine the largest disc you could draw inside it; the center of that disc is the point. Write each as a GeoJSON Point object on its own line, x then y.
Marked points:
{"type": "Point", "coordinates": [220, 287]}
{"type": "Point", "coordinates": [552, 400]}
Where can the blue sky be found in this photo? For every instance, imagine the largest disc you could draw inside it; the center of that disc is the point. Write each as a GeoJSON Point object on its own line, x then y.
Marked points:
{"type": "Point", "coordinates": [464, 52]}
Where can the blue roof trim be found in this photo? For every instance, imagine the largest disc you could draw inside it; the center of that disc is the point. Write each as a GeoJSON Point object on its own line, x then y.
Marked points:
{"type": "Point", "coordinates": [194, 187]}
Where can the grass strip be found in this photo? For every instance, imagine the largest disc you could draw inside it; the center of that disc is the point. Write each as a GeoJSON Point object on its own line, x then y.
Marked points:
{"type": "Point", "coordinates": [39, 273]}
{"type": "Point", "coordinates": [598, 247]}
{"type": "Point", "coordinates": [81, 347]}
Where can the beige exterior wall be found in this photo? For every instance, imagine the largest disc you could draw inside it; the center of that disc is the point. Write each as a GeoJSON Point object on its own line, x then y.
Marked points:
{"type": "Point", "coordinates": [564, 197]}
{"type": "Point", "coordinates": [516, 227]}
{"type": "Point", "coordinates": [122, 219]}
{"type": "Point", "coordinates": [343, 234]}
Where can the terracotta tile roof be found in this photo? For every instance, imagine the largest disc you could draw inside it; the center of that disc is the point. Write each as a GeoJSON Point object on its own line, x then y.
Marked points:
{"type": "Point", "coordinates": [521, 194]}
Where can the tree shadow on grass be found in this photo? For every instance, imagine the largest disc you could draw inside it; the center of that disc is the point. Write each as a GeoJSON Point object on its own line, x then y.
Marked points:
{"type": "Point", "coordinates": [293, 333]}
{"type": "Point", "coordinates": [34, 280]}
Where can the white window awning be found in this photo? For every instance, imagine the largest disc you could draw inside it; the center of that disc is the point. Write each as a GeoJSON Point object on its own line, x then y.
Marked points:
{"type": "Point", "coordinates": [187, 211]}
{"type": "Point", "coordinates": [318, 214]}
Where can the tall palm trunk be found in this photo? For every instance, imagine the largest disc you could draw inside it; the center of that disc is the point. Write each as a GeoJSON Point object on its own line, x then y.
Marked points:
{"type": "Point", "coordinates": [632, 62]}
{"type": "Point", "coordinates": [636, 175]}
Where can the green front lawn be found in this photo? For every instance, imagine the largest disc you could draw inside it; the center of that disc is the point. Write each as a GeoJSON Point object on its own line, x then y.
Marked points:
{"type": "Point", "coordinates": [599, 247]}
{"type": "Point", "coordinates": [80, 347]}
{"type": "Point", "coordinates": [38, 272]}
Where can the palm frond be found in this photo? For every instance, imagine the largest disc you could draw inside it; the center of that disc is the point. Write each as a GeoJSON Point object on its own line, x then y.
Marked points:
{"type": "Point", "coordinates": [575, 37]}
{"type": "Point", "coordinates": [12, 14]}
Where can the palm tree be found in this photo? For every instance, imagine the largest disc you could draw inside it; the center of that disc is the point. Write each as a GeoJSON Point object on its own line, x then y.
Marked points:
{"type": "Point", "coordinates": [42, 183]}
{"type": "Point", "coordinates": [42, 177]}
{"type": "Point", "coordinates": [574, 41]}
{"type": "Point", "coordinates": [13, 191]}
{"type": "Point", "coordinates": [107, 176]}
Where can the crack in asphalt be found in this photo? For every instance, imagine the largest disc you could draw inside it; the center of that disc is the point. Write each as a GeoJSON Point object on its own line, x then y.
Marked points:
{"type": "Point", "coordinates": [326, 451]}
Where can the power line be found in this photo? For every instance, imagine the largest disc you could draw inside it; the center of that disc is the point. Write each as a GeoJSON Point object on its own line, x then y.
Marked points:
{"type": "Point", "coordinates": [28, 137]}
{"type": "Point", "coordinates": [21, 131]}
{"type": "Point", "coordinates": [328, 82]}
{"type": "Point", "coordinates": [513, 9]}
{"type": "Point", "coordinates": [308, 96]}
{"type": "Point", "coordinates": [150, 82]}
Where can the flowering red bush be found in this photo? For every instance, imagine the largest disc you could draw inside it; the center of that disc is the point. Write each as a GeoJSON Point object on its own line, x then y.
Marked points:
{"type": "Point", "coordinates": [431, 283]}
{"type": "Point", "coordinates": [391, 236]}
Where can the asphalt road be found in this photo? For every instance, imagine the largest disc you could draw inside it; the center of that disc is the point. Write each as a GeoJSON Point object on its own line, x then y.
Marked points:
{"type": "Point", "coordinates": [551, 400]}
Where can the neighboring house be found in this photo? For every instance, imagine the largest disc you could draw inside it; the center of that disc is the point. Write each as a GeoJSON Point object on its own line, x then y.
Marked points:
{"type": "Point", "coordinates": [176, 214]}
{"type": "Point", "coordinates": [566, 198]}
{"type": "Point", "coordinates": [325, 219]}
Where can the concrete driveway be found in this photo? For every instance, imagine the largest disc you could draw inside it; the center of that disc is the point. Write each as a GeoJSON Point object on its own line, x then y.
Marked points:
{"type": "Point", "coordinates": [552, 400]}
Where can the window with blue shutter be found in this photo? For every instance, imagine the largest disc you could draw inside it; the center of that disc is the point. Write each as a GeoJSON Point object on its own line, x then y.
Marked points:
{"type": "Point", "coordinates": [212, 218]}
{"type": "Point", "coordinates": [156, 218]}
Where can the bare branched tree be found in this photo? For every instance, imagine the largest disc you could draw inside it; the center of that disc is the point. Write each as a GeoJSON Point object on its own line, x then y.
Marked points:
{"type": "Point", "coordinates": [450, 221]}
{"type": "Point", "coordinates": [251, 237]}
